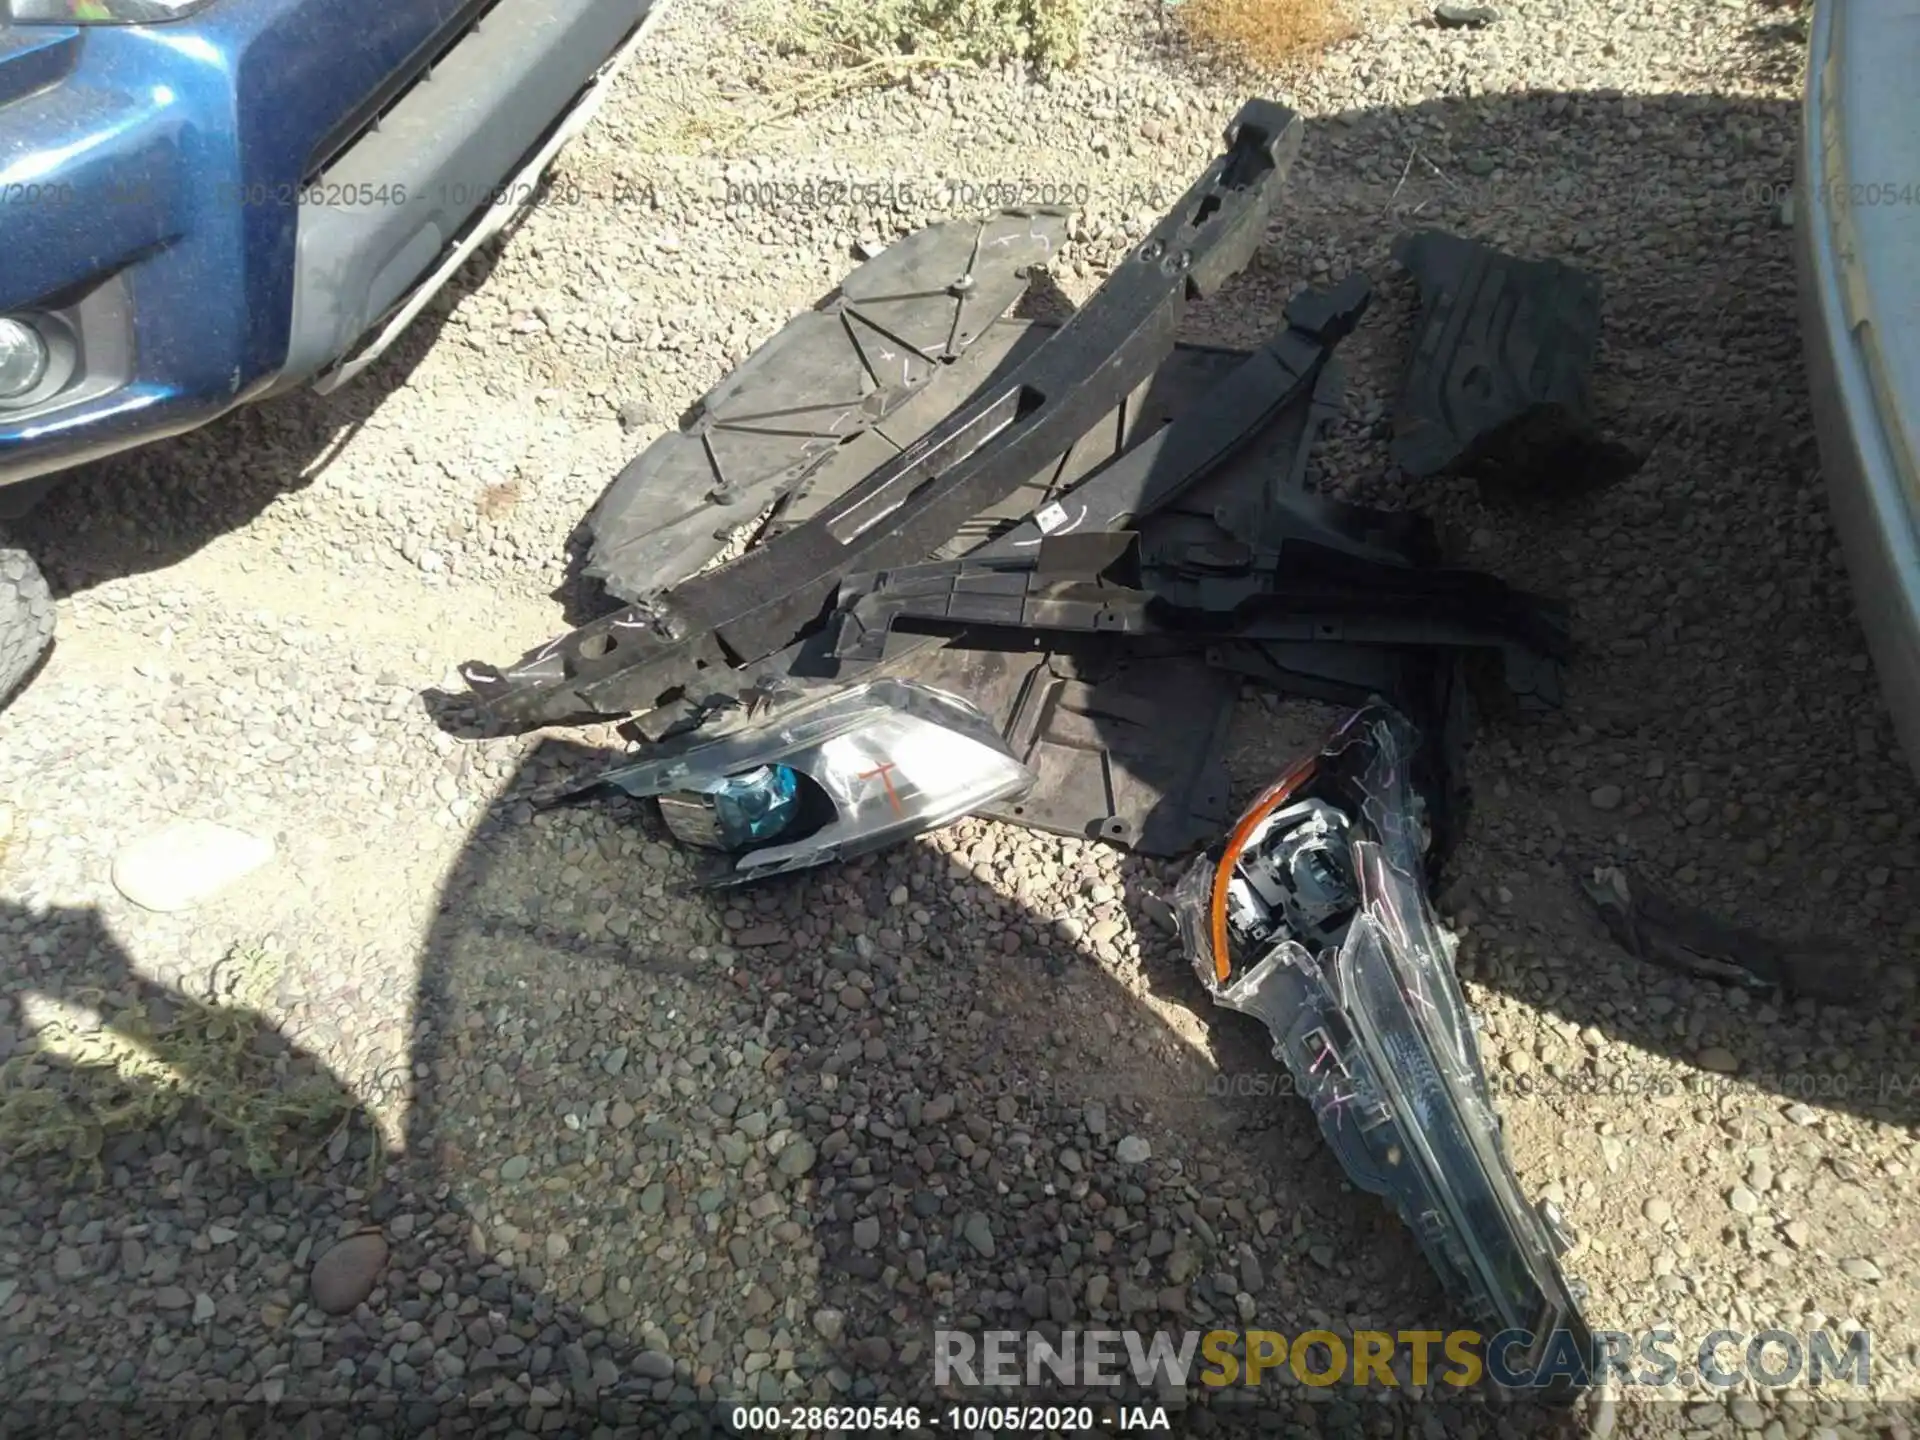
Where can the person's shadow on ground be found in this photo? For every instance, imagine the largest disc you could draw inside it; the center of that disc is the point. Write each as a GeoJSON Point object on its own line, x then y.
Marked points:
{"type": "Point", "coordinates": [207, 1214]}
{"type": "Point", "coordinates": [147, 1134]}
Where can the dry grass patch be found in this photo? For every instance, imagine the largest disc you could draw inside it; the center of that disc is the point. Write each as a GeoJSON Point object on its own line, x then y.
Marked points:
{"type": "Point", "coordinates": [499, 500]}
{"type": "Point", "coordinates": [826, 50]}
{"type": "Point", "coordinates": [88, 1080]}
{"type": "Point", "coordinates": [1264, 33]}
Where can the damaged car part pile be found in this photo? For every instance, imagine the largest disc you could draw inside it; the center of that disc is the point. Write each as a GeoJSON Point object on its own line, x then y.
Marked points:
{"type": "Point", "coordinates": [759, 603]}
{"type": "Point", "coordinates": [1096, 536]}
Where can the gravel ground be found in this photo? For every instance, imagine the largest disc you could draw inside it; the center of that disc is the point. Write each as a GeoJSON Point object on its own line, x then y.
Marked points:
{"type": "Point", "coordinates": [583, 1135]}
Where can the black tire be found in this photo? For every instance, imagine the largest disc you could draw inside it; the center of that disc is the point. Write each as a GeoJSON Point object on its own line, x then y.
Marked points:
{"type": "Point", "coordinates": [26, 619]}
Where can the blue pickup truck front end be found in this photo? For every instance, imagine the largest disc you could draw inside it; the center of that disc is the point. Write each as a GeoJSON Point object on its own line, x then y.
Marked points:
{"type": "Point", "coordinates": [198, 210]}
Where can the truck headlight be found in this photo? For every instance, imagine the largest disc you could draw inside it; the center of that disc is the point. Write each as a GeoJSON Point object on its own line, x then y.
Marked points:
{"type": "Point", "coordinates": [23, 359]}
{"type": "Point", "coordinates": [97, 12]}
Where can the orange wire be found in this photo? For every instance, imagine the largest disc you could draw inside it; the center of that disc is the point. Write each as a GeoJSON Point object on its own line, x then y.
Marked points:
{"type": "Point", "coordinates": [1270, 800]}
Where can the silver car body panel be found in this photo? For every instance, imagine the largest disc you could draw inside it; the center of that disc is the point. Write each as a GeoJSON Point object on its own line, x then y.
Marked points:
{"type": "Point", "coordinates": [1857, 238]}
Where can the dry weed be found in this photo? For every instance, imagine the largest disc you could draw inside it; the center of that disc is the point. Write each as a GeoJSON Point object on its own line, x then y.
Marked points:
{"type": "Point", "coordinates": [825, 50]}
{"type": "Point", "coordinates": [498, 500]}
{"type": "Point", "coordinates": [1264, 33]}
{"type": "Point", "coordinates": [88, 1081]}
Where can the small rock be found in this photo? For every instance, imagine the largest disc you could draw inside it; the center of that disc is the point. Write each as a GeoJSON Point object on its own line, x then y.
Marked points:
{"type": "Point", "coordinates": [515, 1168]}
{"type": "Point", "coordinates": [866, 1233]}
{"type": "Point", "coordinates": [797, 1158]}
{"type": "Point", "coordinates": [172, 1297]}
{"type": "Point", "coordinates": [1252, 1278]}
{"type": "Point", "coordinates": [1747, 1413]}
{"type": "Point", "coordinates": [1657, 1211]}
{"type": "Point", "coordinates": [1133, 1150]}
{"type": "Point", "coordinates": [1719, 1060]}
{"type": "Point", "coordinates": [347, 1273]}
{"type": "Point", "coordinates": [203, 1309]}
{"type": "Point", "coordinates": [186, 863]}
{"type": "Point", "coordinates": [1742, 1201]}
{"type": "Point", "coordinates": [978, 1232]}
{"type": "Point", "coordinates": [653, 1365]}
{"type": "Point", "coordinates": [634, 415]}
{"type": "Point", "coordinates": [1607, 797]}
{"type": "Point", "coordinates": [938, 1109]}
{"type": "Point", "coordinates": [1464, 17]}
{"type": "Point", "coordinates": [830, 1323]}
{"type": "Point", "coordinates": [1862, 1269]}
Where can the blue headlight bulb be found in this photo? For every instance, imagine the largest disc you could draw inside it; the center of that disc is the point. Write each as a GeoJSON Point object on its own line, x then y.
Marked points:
{"type": "Point", "coordinates": [755, 806]}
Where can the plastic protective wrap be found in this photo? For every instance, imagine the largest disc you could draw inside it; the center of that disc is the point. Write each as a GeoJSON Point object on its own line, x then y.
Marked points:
{"type": "Point", "coordinates": [877, 762]}
{"type": "Point", "coordinates": [1376, 1031]}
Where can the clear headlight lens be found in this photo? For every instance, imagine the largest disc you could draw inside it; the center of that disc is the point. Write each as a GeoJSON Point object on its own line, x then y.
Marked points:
{"type": "Point", "coordinates": [97, 12]}
{"type": "Point", "coordinates": [824, 776]}
{"type": "Point", "coordinates": [23, 359]}
{"type": "Point", "coordinates": [1373, 1024]}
